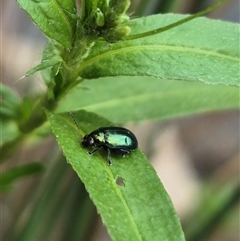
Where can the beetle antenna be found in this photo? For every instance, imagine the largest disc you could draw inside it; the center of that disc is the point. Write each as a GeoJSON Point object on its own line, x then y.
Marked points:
{"type": "Point", "coordinates": [74, 119]}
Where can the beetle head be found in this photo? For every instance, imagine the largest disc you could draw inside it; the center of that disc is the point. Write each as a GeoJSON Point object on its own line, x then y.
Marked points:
{"type": "Point", "coordinates": [87, 141]}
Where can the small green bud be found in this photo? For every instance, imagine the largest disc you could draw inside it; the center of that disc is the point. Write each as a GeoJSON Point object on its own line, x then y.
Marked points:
{"type": "Point", "coordinates": [99, 18]}
{"type": "Point", "coordinates": [124, 18]}
{"type": "Point", "coordinates": [117, 34]}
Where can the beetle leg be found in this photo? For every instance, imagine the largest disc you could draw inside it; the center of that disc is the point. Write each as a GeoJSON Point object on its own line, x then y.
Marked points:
{"type": "Point", "coordinates": [109, 157]}
{"type": "Point", "coordinates": [97, 149]}
{"type": "Point", "coordinates": [124, 152]}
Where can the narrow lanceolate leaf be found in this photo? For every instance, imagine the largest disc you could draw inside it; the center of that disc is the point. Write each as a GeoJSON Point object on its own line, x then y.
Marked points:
{"type": "Point", "coordinates": [135, 99]}
{"type": "Point", "coordinates": [56, 18]}
{"type": "Point", "coordinates": [128, 195]}
{"type": "Point", "coordinates": [18, 172]}
{"type": "Point", "coordinates": [200, 50]}
{"type": "Point", "coordinates": [56, 60]}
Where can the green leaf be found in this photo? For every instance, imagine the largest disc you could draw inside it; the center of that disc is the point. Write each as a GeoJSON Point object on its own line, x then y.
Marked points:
{"type": "Point", "coordinates": [56, 18]}
{"type": "Point", "coordinates": [135, 99]}
{"type": "Point", "coordinates": [46, 63]}
{"type": "Point", "coordinates": [181, 21]}
{"type": "Point", "coordinates": [52, 63]}
{"type": "Point", "coordinates": [50, 66]}
{"type": "Point", "coordinates": [17, 172]}
{"type": "Point", "coordinates": [138, 208]}
{"type": "Point", "coordinates": [200, 50]}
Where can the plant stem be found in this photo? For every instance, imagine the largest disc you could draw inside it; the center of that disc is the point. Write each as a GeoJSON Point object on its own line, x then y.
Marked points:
{"type": "Point", "coordinates": [173, 25]}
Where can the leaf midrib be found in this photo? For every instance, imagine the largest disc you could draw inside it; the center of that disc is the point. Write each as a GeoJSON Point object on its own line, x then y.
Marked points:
{"type": "Point", "coordinates": [123, 200]}
{"type": "Point", "coordinates": [160, 48]}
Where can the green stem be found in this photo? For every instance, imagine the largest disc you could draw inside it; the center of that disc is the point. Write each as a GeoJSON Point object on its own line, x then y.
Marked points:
{"type": "Point", "coordinates": [28, 125]}
{"type": "Point", "coordinates": [38, 116]}
{"type": "Point", "coordinates": [187, 19]}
